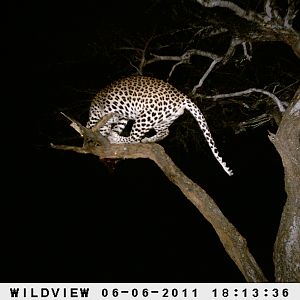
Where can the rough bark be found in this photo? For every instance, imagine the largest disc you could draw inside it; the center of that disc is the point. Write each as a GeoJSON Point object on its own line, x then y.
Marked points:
{"type": "Point", "coordinates": [233, 242]}
{"type": "Point", "coordinates": [287, 246]}
{"type": "Point", "coordinates": [263, 26]}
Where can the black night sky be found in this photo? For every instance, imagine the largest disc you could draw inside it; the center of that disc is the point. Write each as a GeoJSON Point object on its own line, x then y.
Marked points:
{"type": "Point", "coordinates": [72, 218]}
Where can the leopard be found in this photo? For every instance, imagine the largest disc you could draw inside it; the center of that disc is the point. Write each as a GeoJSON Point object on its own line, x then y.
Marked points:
{"type": "Point", "coordinates": [152, 104]}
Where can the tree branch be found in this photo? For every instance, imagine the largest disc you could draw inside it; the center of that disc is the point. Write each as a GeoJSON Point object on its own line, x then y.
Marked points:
{"type": "Point", "coordinates": [235, 244]}
{"type": "Point", "coordinates": [184, 59]}
{"type": "Point", "coordinates": [248, 91]}
{"type": "Point", "coordinates": [248, 15]}
{"type": "Point", "coordinates": [270, 26]}
{"type": "Point", "coordinates": [201, 81]}
{"type": "Point", "coordinates": [291, 13]}
{"type": "Point", "coordinates": [255, 122]}
{"type": "Point", "coordinates": [246, 54]}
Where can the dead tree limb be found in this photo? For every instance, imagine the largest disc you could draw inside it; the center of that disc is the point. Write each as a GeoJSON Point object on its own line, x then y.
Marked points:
{"type": "Point", "coordinates": [234, 243]}
{"type": "Point", "coordinates": [277, 101]}
{"type": "Point", "coordinates": [269, 25]}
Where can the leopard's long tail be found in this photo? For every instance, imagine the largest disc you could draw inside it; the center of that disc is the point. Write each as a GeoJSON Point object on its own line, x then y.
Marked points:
{"type": "Point", "coordinates": [195, 111]}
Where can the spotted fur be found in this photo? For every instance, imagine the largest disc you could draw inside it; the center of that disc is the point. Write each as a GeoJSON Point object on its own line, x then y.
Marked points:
{"type": "Point", "coordinates": [152, 104]}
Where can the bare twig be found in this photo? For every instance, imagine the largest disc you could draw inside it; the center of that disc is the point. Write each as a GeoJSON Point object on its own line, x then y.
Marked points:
{"type": "Point", "coordinates": [248, 91]}
{"type": "Point", "coordinates": [268, 10]}
{"type": "Point", "coordinates": [75, 125]}
{"type": "Point", "coordinates": [291, 13]}
{"type": "Point", "coordinates": [247, 55]}
{"type": "Point", "coordinates": [175, 66]}
{"type": "Point", "coordinates": [201, 81]}
{"type": "Point", "coordinates": [102, 122]}
{"type": "Point", "coordinates": [184, 58]}
{"type": "Point", "coordinates": [92, 134]}
{"type": "Point", "coordinates": [231, 49]}
{"type": "Point", "coordinates": [142, 55]}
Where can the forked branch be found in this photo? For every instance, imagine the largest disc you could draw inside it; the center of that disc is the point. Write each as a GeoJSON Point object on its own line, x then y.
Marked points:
{"type": "Point", "coordinates": [270, 25]}
{"type": "Point", "coordinates": [280, 104]}
{"type": "Point", "coordinates": [234, 243]}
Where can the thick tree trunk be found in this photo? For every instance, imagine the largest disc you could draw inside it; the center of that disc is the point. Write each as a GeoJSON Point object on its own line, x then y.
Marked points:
{"type": "Point", "coordinates": [287, 245]}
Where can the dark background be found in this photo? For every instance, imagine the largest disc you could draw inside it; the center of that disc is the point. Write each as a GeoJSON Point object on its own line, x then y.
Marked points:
{"type": "Point", "coordinates": [72, 218]}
